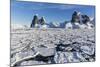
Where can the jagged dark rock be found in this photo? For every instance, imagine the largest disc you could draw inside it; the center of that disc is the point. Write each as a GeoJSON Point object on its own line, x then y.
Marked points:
{"type": "Point", "coordinates": [34, 21]}
{"type": "Point", "coordinates": [75, 17]}
{"type": "Point", "coordinates": [42, 21]}
{"type": "Point", "coordinates": [38, 23]}
{"type": "Point", "coordinates": [77, 21]}
{"type": "Point", "coordinates": [85, 19]}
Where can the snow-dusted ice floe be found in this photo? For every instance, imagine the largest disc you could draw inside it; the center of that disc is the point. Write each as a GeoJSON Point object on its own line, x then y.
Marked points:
{"type": "Point", "coordinates": [52, 45]}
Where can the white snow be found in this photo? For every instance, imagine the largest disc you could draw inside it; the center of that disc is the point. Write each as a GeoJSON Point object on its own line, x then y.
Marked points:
{"type": "Point", "coordinates": [76, 45]}
{"type": "Point", "coordinates": [68, 26]}
{"type": "Point", "coordinates": [18, 26]}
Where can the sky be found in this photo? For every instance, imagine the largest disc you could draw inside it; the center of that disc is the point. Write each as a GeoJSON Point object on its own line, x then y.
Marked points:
{"type": "Point", "coordinates": [22, 12]}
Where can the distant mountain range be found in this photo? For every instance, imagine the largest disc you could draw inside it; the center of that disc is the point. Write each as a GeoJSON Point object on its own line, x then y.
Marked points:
{"type": "Point", "coordinates": [78, 20]}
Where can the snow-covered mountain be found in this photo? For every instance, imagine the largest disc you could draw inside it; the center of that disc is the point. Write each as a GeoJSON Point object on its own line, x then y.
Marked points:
{"type": "Point", "coordinates": [79, 26]}
{"type": "Point", "coordinates": [77, 21]}
{"type": "Point", "coordinates": [54, 25]}
{"type": "Point", "coordinates": [80, 21]}
{"type": "Point", "coordinates": [38, 23]}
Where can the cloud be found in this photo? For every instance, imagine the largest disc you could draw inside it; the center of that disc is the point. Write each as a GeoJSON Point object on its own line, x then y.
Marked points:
{"type": "Point", "coordinates": [64, 7]}
{"type": "Point", "coordinates": [61, 7]}
{"type": "Point", "coordinates": [56, 6]}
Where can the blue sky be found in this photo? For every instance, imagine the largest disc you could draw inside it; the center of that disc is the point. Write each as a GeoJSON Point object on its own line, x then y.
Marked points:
{"type": "Point", "coordinates": [22, 12]}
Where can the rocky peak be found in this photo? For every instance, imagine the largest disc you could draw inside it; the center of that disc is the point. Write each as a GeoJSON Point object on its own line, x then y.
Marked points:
{"type": "Point", "coordinates": [78, 19]}
{"type": "Point", "coordinates": [85, 19]}
{"type": "Point", "coordinates": [34, 21]}
{"type": "Point", "coordinates": [42, 21]}
{"type": "Point", "coordinates": [75, 17]}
